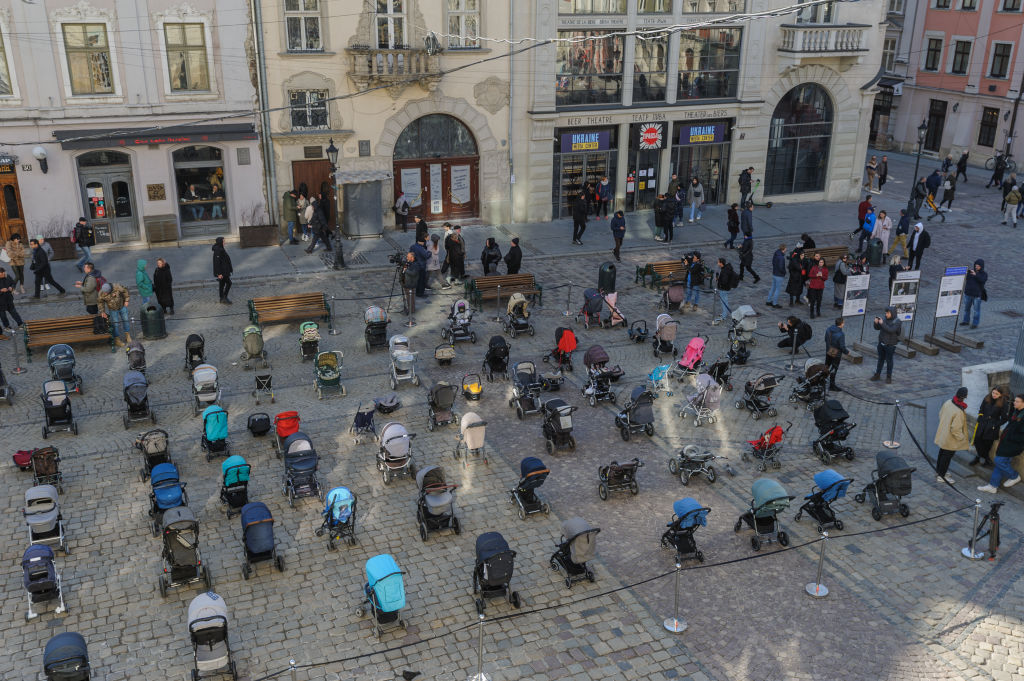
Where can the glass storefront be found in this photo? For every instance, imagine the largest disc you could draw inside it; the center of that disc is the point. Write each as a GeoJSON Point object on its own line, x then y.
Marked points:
{"type": "Point", "coordinates": [646, 140]}
{"type": "Point", "coordinates": [799, 138]}
{"type": "Point", "coordinates": [581, 156]}
{"type": "Point", "coordinates": [702, 150]}
{"type": "Point", "coordinates": [588, 71]}
{"type": "Point", "coordinates": [709, 63]}
{"type": "Point", "coordinates": [202, 203]}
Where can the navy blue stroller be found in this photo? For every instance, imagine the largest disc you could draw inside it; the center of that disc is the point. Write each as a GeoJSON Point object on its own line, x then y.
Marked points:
{"type": "Point", "coordinates": [687, 516]}
{"type": "Point", "coordinates": [258, 537]}
{"type": "Point", "coordinates": [532, 473]}
{"type": "Point", "coordinates": [66, 658]}
{"type": "Point", "coordinates": [136, 399]}
{"type": "Point", "coordinates": [61, 360]}
{"type": "Point", "coordinates": [41, 579]}
{"type": "Point", "coordinates": [362, 424]}
{"type": "Point", "coordinates": [829, 487]}
{"type": "Point", "coordinates": [300, 468]}
{"type": "Point", "coordinates": [167, 491]}
{"type": "Point", "coordinates": [492, 572]}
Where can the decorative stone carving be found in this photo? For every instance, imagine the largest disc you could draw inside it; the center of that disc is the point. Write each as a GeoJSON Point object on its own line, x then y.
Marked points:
{"type": "Point", "coordinates": [181, 12]}
{"type": "Point", "coordinates": [491, 94]}
{"type": "Point", "coordinates": [81, 12]}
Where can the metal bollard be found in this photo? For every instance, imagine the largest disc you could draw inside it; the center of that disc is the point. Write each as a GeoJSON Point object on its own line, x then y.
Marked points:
{"type": "Point", "coordinates": [18, 369]}
{"type": "Point", "coordinates": [816, 589]}
{"type": "Point", "coordinates": [131, 325]}
{"type": "Point", "coordinates": [480, 676]}
{"type": "Point", "coordinates": [291, 668]}
{"type": "Point", "coordinates": [674, 623]}
{"type": "Point", "coordinates": [568, 301]}
{"type": "Point", "coordinates": [969, 550]}
{"type": "Point", "coordinates": [410, 306]}
{"type": "Point", "coordinates": [892, 442]}
{"type": "Point", "coordinates": [792, 357]}
{"type": "Point", "coordinates": [334, 331]}
{"type": "Point", "coordinates": [497, 308]}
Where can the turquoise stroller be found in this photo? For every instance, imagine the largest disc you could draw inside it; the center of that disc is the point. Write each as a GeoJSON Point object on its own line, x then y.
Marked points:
{"type": "Point", "coordinates": [215, 432]}
{"type": "Point", "coordinates": [339, 517]}
{"type": "Point", "coordinates": [769, 499]}
{"type": "Point", "coordinates": [385, 594]}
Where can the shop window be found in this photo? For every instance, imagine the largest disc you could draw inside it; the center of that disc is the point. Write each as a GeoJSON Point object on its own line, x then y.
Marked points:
{"type": "Point", "coordinates": [709, 63]}
{"type": "Point", "coordinates": [588, 70]}
{"type": "Point", "coordinates": [463, 24]}
{"type": "Point", "coordinates": [988, 127]}
{"type": "Point", "coordinates": [199, 175]}
{"type": "Point", "coordinates": [649, 70]}
{"type": "Point", "coordinates": [309, 109]}
{"type": "Point", "coordinates": [186, 57]}
{"type": "Point", "coordinates": [5, 74]}
{"type": "Point", "coordinates": [11, 202]}
{"type": "Point", "coordinates": [592, 6]}
{"type": "Point", "coordinates": [302, 24]}
{"type": "Point", "coordinates": [799, 138]}
{"type": "Point", "coordinates": [391, 24]}
{"type": "Point", "coordinates": [88, 59]}
{"type": "Point", "coordinates": [1000, 60]}
{"type": "Point", "coordinates": [435, 136]}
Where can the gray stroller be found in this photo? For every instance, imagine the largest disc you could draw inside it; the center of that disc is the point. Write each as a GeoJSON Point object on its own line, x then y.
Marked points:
{"type": "Point", "coordinates": [43, 517]}
{"type": "Point", "coordinates": [577, 545]}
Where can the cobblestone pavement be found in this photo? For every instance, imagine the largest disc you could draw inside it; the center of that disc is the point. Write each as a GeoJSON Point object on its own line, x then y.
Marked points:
{"type": "Point", "coordinates": [903, 605]}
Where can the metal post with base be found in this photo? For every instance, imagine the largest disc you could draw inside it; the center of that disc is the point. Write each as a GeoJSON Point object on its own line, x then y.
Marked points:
{"type": "Point", "coordinates": [410, 306]}
{"type": "Point", "coordinates": [892, 442]}
{"type": "Point", "coordinates": [568, 301]}
{"type": "Point", "coordinates": [674, 623]}
{"type": "Point", "coordinates": [479, 676]}
{"type": "Point", "coordinates": [816, 589]}
{"type": "Point", "coordinates": [18, 369]}
{"type": "Point", "coordinates": [969, 551]}
{"type": "Point", "coordinates": [333, 329]}
{"type": "Point", "coordinates": [497, 306]}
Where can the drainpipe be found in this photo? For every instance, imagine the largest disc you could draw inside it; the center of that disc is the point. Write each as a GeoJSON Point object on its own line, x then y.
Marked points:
{"type": "Point", "coordinates": [1013, 119]}
{"type": "Point", "coordinates": [511, 109]}
{"type": "Point", "coordinates": [267, 145]}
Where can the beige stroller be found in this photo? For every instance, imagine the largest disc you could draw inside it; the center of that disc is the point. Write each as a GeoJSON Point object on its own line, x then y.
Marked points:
{"type": "Point", "coordinates": [472, 429]}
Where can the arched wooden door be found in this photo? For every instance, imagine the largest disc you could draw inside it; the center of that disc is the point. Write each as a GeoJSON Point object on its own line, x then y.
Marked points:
{"type": "Point", "coordinates": [12, 216]}
{"type": "Point", "coordinates": [437, 165]}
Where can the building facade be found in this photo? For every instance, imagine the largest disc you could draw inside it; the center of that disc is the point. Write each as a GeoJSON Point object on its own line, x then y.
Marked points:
{"type": "Point", "coordinates": [134, 113]}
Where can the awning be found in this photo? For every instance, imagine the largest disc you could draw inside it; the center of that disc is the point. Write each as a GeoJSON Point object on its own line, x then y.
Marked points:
{"type": "Point", "coordinates": [888, 81]}
{"type": "Point", "coordinates": [179, 134]}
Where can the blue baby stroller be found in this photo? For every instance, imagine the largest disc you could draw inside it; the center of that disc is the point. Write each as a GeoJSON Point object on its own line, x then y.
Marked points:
{"type": "Point", "coordinates": [66, 658]}
{"type": "Point", "coordinates": [166, 491]}
{"type": "Point", "coordinates": [61, 360]}
{"type": "Point", "coordinates": [769, 498]}
{"type": "Point", "coordinates": [492, 572]}
{"type": "Point", "coordinates": [829, 487]}
{"type": "Point", "coordinates": [533, 473]}
{"type": "Point", "coordinates": [234, 489]}
{"type": "Point", "coordinates": [258, 538]}
{"type": "Point", "coordinates": [339, 517]}
{"type": "Point", "coordinates": [41, 579]}
{"type": "Point", "coordinates": [136, 399]}
{"type": "Point", "coordinates": [687, 516]}
{"type": "Point", "coordinates": [215, 432]}
{"type": "Point", "coordinates": [362, 424]}
{"type": "Point", "coordinates": [385, 594]}
{"type": "Point", "coordinates": [301, 463]}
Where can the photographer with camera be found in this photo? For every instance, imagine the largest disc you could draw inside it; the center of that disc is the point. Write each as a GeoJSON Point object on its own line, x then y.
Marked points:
{"type": "Point", "coordinates": [410, 275]}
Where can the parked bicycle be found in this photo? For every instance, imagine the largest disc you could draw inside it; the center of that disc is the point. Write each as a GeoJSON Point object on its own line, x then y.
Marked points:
{"type": "Point", "coordinates": [1011, 165]}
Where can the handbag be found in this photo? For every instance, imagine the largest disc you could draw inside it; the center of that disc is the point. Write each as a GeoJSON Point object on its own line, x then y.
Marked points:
{"type": "Point", "coordinates": [832, 352]}
{"type": "Point", "coordinates": [4, 255]}
{"type": "Point", "coordinates": [99, 325]}
{"type": "Point", "coordinates": [984, 294]}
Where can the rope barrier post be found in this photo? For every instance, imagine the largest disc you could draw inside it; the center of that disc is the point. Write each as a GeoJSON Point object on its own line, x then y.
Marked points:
{"type": "Point", "coordinates": [497, 306]}
{"type": "Point", "coordinates": [330, 322]}
{"type": "Point", "coordinates": [892, 442]}
{"type": "Point", "coordinates": [480, 676]}
{"type": "Point", "coordinates": [816, 589]}
{"type": "Point", "coordinates": [18, 369]}
{"type": "Point", "coordinates": [291, 668]}
{"type": "Point", "coordinates": [409, 295]}
{"type": "Point", "coordinates": [968, 551]}
{"type": "Point", "coordinates": [131, 325]}
{"type": "Point", "coordinates": [674, 624]}
{"type": "Point", "coordinates": [792, 356]}
{"type": "Point", "coordinates": [568, 301]}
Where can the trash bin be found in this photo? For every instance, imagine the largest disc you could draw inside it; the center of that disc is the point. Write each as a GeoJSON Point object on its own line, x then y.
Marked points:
{"type": "Point", "coordinates": [153, 325]}
{"type": "Point", "coordinates": [606, 277]}
{"type": "Point", "coordinates": [875, 252]}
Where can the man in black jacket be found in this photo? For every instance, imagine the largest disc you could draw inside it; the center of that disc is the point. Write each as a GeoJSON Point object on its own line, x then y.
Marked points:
{"type": "Point", "coordinates": [778, 276]}
{"type": "Point", "coordinates": [920, 194]}
{"type": "Point", "coordinates": [727, 280]}
{"type": "Point", "coordinates": [41, 266]}
{"type": "Point", "coordinates": [747, 257]}
{"type": "Point", "coordinates": [222, 269]}
{"type": "Point", "coordinates": [85, 239]}
{"type": "Point", "coordinates": [919, 240]}
{"type": "Point", "coordinates": [514, 257]}
{"type": "Point", "coordinates": [1011, 445]}
{"type": "Point", "coordinates": [455, 252]}
{"type": "Point", "coordinates": [889, 328]}
{"type": "Point", "coordinates": [745, 180]}
{"type": "Point", "coordinates": [7, 286]}
{"type": "Point", "coordinates": [835, 348]}
{"type": "Point", "coordinates": [579, 219]}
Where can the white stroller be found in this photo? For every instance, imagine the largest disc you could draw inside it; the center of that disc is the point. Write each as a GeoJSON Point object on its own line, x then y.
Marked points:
{"type": "Point", "coordinates": [744, 324]}
{"type": "Point", "coordinates": [403, 362]}
{"type": "Point", "coordinates": [704, 403]}
{"type": "Point", "coordinates": [472, 430]}
{"type": "Point", "coordinates": [208, 629]}
{"type": "Point", "coordinates": [394, 455]}
{"type": "Point", "coordinates": [43, 517]}
{"type": "Point", "coordinates": [665, 329]}
{"type": "Point", "coordinates": [205, 387]}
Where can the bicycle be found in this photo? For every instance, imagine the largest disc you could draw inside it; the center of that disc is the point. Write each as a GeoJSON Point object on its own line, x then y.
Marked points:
{"type": "Point", "coordinates": [1011, 165]}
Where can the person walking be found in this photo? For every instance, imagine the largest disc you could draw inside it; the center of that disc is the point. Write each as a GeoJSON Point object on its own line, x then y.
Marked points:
{"type": "Point", "coordinates": [513, 258]}
{"type": "Point", "coordinates": [7, 286]}
{"type": "Point", "coordinates": [816, 285]}
{"type": "Point", "coordinates": [422, 228]}
{"type": "Point", "coordinates": [490, 256]}
{"type": "Point", "coordinates": [142, 281]}
{"type": "Point", "coordinates": [162, 281]}
{"type": "Point", "coordinates": [948, 191]}
{"type": "Point", "coordinates": [747, 258]}
{"type": "Point", "coordinates": [695, 195]}
{"type": "Point", "coordinates": [997, 171]}
{"type": "Point", "coordinates": [579, 220]}
{"type": "Point", "coordinates": [319, 227]}
{"type": "Point", "coordinates": [222, 269]}
{"type": "Point", "coordinates": [883, 228]}
{"type": "Point", "coordinates": [920, 240]}
{"type": "Point", "coordinates": [732, 223]}
{"type": "Point", "coordinates": [618, 226]}
{"type": "Point", "coordinates": [961, 165]}
{"type": "Point", "coordinates": [302, 214]}
{"type": "Point", "coordinates": [694, 281]}
{"type": "Point", "coordinates": [746, 178]}
{"type": "Point", "coordinates": [113, 305]}
{"type": "Point", "coordinates": [1011, 444]}
{"type": "Point", "coordinates": [902, 230]}
{"type": "Point", "coordinates": [883, 172]}
{"type": "Point", "coordinates": [889, 327]}
{"type": "Point", "coordinates": [747, 219]}
{"type": "Point", "coordinates": [455, 251]}
{"type": "Point", "coordinates": [289, 211]}
{"type": "Point", "coordinates": [668, 215]}
{"type": "Point", "coordinates": [41, 267]}
{"type": "Point", "coordinates": [919, 195]}
{"type": "Point", "coordinates": [401, 208]}
{"type": "Point", "coordinates": [835, 348]}
{"type": "Point", "coordinates": [1011, 199]}
{"type": "Point", "coordinates": [727, 280]}
{"type": "Point", "coordinates": [951, 434]}
{"type": "Point", "coordinates": [839, 277]}
{"type": "Point", "coordinates": [16, 252]}
{"type": "Point", "coordinates": [778, 276]}
{"type": "Point", "coordinates": [90, 287]}
{"type": "Point", "coordinates": [974, 293]}
{"type": "Point", "coordinates": [604, 197]}
{"type": "Point", "coordinates": [434, 279]}
{"type": "Point", "coordinates": [867, 228]}
{"type": "Point", "coordinates": [48, 249]}
{"type": "Point", "coordinates": [84, 237]}
{"type": "Point", "coordinates": [871, 169]}
{"type": "Point", "coordinates": [1007, 185]}
{"type": "Point", "coordinates": [795, 285]}
{"type": "Point", "coordinates": [993, 412]}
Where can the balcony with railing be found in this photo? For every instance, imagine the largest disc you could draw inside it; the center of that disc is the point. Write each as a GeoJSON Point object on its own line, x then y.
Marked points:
{"type": "Point", "coordinates": [398, 67]}
{"type": "Point", "coordinates": [808, 42]}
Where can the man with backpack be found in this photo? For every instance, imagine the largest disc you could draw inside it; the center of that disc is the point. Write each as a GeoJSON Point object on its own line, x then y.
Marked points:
{"type": "Point", "coordinates": [114, 306]}
{"type": "Point", "coordinates": [90, 286]}
{"type": "Point", "coordinates": [83, 236]}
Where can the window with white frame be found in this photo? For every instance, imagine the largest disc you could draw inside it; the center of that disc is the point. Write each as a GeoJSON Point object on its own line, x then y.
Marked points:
{"type": "Point", "coordinates": [186, 57]}
{"type": "Point", "coordinates": [309, 109]}
{"type": "Point", "coordinates": [961, 57]}
{"type": "Point", "coordinates": [1000, 60]}
{"type": "Point", "coordinates": [824, 13]}
{"type": "Point", "coordinates": [1011, 5]}
{"type": "Point", "coordinates": [896, 6]}
{"type": "Point", "coordinates": [5, 75]}
{"type": "Point", "coordinates": [942, 4]}
{"type": "Point", "coordinates": [888, 54]}
{"type": "Point", "coordinates": [968, 5]}
{"type": "Point", "coordinates": [463, 24]}
{"type": "Point", "coordinates": [88, 55]}
{"type": "Point", "coordinates": [302, 23]}
{"type": "Point", "coordinates": [933, 54]}
{"type": "Point", "coordinates": [391, 24]}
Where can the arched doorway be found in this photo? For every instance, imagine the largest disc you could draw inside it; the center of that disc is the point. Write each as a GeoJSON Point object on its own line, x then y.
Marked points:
{"type": "Point", "coordinates": [108, 195]}
{"type": "Point", "coordinates": [799, 138]}
{"type": "Point", "coordinates": [12, 215]}
{"type": "Point", "coordinates": [436, 164]}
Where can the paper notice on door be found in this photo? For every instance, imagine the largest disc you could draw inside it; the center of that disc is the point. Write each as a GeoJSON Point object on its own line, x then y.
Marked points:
{"type": "Point", "coordinates": [436, 193]}
{"type": "Point", "coordinates": [460, 184]}
{"type": "Point", "coordinates": [643, 185]}
{"type": "Point", "coordinates": [642, 173]}
{"type": "Point", "coordinates": [410, 179]}
{"type": "Point", "coordinates": [650, 185]}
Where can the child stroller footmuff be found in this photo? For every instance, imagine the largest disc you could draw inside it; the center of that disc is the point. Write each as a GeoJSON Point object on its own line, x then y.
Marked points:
{"type": "Point", "coordinates": [435, 505]}
{"type": "Point", "coordinates": [253, 348]}
{"type": "Point", "coordinates": [385, 594]}
{"type": "Point", "coordinates": [829, 487]}
{"type": "Point", "coordinates": [234, 489]}
{"type": "Point", "coordinates": [687, 517]}
{"type": "Point", "coordinates": [153, 447]}
{"type": "Point", "coordinates": [769, 498]}
{"type": "Point", "coordinates": [136, 399]}
{"type": "Point", "coordinates": [258, 538]}
{"type": "Point", "coordinates": [576, 547]}
{"type": "Point", "coordinates": [339, 518]}
{"type": "Point", "coordinates": [517, 316]}
{"type": "Point", "coordinates": [183, 565]}
{"type": "Point", "coordinates": [493, 571]}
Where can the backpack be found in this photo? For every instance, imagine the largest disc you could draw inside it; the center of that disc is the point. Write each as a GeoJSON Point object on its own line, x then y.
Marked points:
{"type": "Point", "coordinates": [100, 280]}
{"type": "Point", "coordinates": [259, 424]}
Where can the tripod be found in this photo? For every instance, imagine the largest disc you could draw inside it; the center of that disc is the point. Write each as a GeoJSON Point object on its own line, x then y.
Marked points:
{"type": "Point", "coordinates": [991, 519]}
{"type": "Point", "coordinates": [399, 268]}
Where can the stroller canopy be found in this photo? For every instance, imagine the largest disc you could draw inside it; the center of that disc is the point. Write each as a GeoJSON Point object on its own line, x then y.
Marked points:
{"type": "Point", "coordinates": [135, 384]}
{"type": "Point", "coordinates": [154, 441]}
{"type": "Point", "coordinates": [327, 365]}
{"type": "Point", "coordinates": [234, 470]}
{"type": "Point", "coordinates": [194, 341]}
{"type": "Point", "coordinates": [338, 505]}
{"type": "Point", "coordinates": [830, 412]}
{"type": "Point", "coordinates": [60, 353]}
{"type": "Point", "coordinates": [582, 539]}
{"type": "Point", "coordinates": [488, 545]}
{"type": "Point", "coordinates": [385, 578]}
{"type": "Point", "coordinates": [832, 485]}
{"type": "Point", "coordinates": [565, 339]}
{"type": "Point", "coordinates": [595, 356]}
{"type": "Point", "coordinates": [769, 497]}
{"type": "Point", "coordinates": [208, 607]}
{"type": "Point", "coordinates": [744, 312]}
{"type": "Point", "coordinates": [42, 507]}
{"type": "Point", "coordinates": [442, 395]}
{"type": "Point", "coordinates": [708, 387]}
{"type": "Point", "coordinates": [252, 340]}
{"type": "Point", "coordinates": [764, 382]}
{"type": "Point", "coordinates": [473, 429]}
{"type": "Point", "coordinates": [135, 349]}
{"type": "Point", "coordinates": [204, 374]}
{"type": "Point", "coordinates": [215, 423]}
{"type": "Point", "coordinates": [641, 405]}
{"type": "Point", "coordinates": [517, 305]}
{"type": "Point", "coordinates": [430, 476]}
{"type": "Point", "coordinates": [375, 315]}
{"type": "Point", "coordinates": [533, 473]}
{"type": "Point", "coordinates": [525, 372]}
{"type": "Point", "coordinates": [163, 473]}
{"type": "Point", "coordinates": [257, 527]}
{"type": "Point", "coordinates": [180, 519]}
{"type": "Point", "coordinates": [55, 393]}
{"type": "Point", "coordinates": [693, 354]}
{"type": "Point", "coordinates": [398, 342]}
{"type": "Point", "coordinates": [558, 414]}
{"type": "Point", "coordinates": [297, 443]}
{"type": "Point", "coordinates": [65, 653]}
{"type": "Point", "coordinates": [395, 440]}
{"type": "Point", "coordinates": [690, 513]}
{"type": "Point", "coordinates": [893, 473]}
{"type": "Point", "coordinates": [459, 310]}
{"type": "Point", "coordinates": [889, 462]}
{"type": "Point", "coordinates": [497, 343]}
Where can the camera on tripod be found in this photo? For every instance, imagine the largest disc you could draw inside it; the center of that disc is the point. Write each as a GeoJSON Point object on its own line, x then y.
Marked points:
{"type": "Point", "coordinates": [397, 258]}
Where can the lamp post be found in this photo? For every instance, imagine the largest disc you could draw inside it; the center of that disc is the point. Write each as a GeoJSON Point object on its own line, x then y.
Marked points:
{"type": "Point", "coordinates": [922, 132]}
{"type": "Point", "coordinates": [332, 154]}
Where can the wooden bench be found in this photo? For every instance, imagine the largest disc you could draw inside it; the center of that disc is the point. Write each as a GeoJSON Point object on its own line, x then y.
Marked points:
{"type": "Point", "coordinates": [70, 330]}
{"type": "Point", "coordinates": [666, 271]}
{"type": "Point", "coordinates": [290, 307]}
{"type": "Point", "coordinates": [486, 288]}
{"type": "Point", "coordinates": [831, 254]}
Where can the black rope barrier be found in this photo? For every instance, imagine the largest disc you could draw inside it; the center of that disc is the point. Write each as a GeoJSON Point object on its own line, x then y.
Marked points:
{"type": "Point", "coordinates": [924, 455]}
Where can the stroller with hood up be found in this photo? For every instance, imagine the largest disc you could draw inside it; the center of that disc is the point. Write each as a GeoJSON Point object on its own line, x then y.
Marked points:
{"type": "Point", "coordinates": [493, 570]}
{"type": "Point", "coordinates": [637, 413]}
{"type": "Point", "coordinates": [830, 420]}
{"type": "Point", "coordinates": [66, 658]}
{"type": "Point", "coordinates": [743, 324]}
{"type": "Point", "coordinates": [205, 387]}
{"type": "Point", "coordinates": [440, 401]}
{"type": "Point", "coordinates": [599, 376]}
{"type": "Point", "coordinates": [532, 474]}
{"type": "Point", "coordinates": [472, 438]}
{"type": "Point", "coordinates": [41, 579]}
{"type": "Point", "coordinates": [665, 329]}
{"type": "Point", "coordinates": [136, 355]}
{"type": "Point", "coordinates": [234, 487]}
{"type": "Point", "coordinates": [576, 546]}
{"type": "Point", "coordinates": [166, 491]}
{"type": "Point", "coordinates": [890, 482]}
{"type": "Point", "coordinates": [721, 371]}
{"type": "Point", "coordinates": [517, 316]}
{"type": "Point", "coordinates": [457, 325]}
{"type": "Point", "coordinates": [385, 594]}
{"type": "Point", "coordinates": [301, 464]}
{"type": "Point", "coordinates": [496, 358]}
{"type": "Point", "coordinates": [435, 505]}
{"type": "Point", "coordinates": [153, 447]}
{"type": "Point", "coordinates": [757, 396]}
{"type": "Point", "coordinates": [687, 517]}
{"type": "Point", "coordinates": [195, 351]}
{"type": "Point", "coordinates": [286, 423]}
{"type": "Point", "coordinates": [618, 477]}
{"type": "Point", "coordinates": [829, 487]}
{"type": "Point", "coordinates": [394, 453]}
{"type": "Point", "coordinates": [258, 538]}
{"type": "Point", "coordinates": [765, 449]}
{"type": "Point", "coordinates": [526, 387]}
{"type": "Point", "coordinates": [692, 362]}
{"type": "Point", "coordinates": [557, 427]}
{"type": "Point", "coordinates": [309, 340]}
{"type": "Point", "coordinates": [208, 631]}
{"type": "Point", "coordinates": [657, 380]}
{"type": "Point", "coordinates": [45, 463]}
{"type": "Point", "coordinates": [769, 499]}
{"type": "Point", "coordinates": [43, 517]}
{"type": "Point", "coordinates": [593, 304]}
{"type": "Point", "coordinates": [339, 518]}
{"type": "Point", "coordinates": [183, 565]}
{"type": "Point", "coordinates": [362, 423]}
{"type": "Point", "coordinates": [375, 334]}
{"type": "Point", "coordinates": [57, 408]}
{"type": "Point", "coordinates": [61, 360]}
{"type": "Point", "coordinates": [703, 403]}
{"type": "Point", "coordinates": [565, 345]}
{"type": "Point", "coordinates": [214, 440]}
{"type": "Point", "coordinates": [403, 362]}
{"type": "Point", "coordinates": [690, 462]}
{"type": "Point", "coordinates": [811, 387]}
{"type": "Point", "coordinates": [253, 347]}
{"type": "Point", "coordinates": [136, 399]}
{"type": "Point", "coordinates": [327, 373]}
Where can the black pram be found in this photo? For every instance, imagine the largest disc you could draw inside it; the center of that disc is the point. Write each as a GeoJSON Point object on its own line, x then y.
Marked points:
{"type": "Point", "coordinates": [526, 387]}
{"type": "Point", "coordinates": [599, 376]}
{"type": "Point", "coordinates": [637, 414]}
{"type": "Point", "coordinates": [830, 419]}
{"type": "Point", "coordinates": [557, 426]}
{"type": "Point", "coordinates": [496, 358]}
{"type": "Point", "coordinates": [493, 570]}
{"type": "Point", "coordinates": [890, 482]}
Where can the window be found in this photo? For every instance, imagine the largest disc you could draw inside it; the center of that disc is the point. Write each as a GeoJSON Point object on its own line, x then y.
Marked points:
{"type": "Point", "coordinates": [302, 21]}
{"type": "Point", "coordinates": [5, 74]}
{"type": "Point", "coordinates": [199, 174]}
{"type": "Point", "coordinates": [943, 4]}
{"type": "Point", "coordinates": [969, 5]}
{"type": "Point", "coordinates": [799, 137]}
{"type": "Point", "coordinates": [987, 129]}
{"type": "Point", "coordinates": [391, 24]}
{"type": "Point", "coordinates": [817, 14]}
{"type": "Point", "coordinates": [88, 59]}
{"type": "Point", "coordinates": [896, 6]}
{"type": "Point", "coordinates": [309, 109]}
{"type": "Point", "coordinates": [186, 56]}
{"type": "Point", "coordinates": [649, 70]}
{"type": "Point", "coordinates": [961, 57]}
{"type": "Point", "coordinates": [707, 6]}
{"type": "Point", "coordinates": [653, 6]}
{"type": "Point", "coordinates": [1000, 60]}
{"type": "Point", "coordinates": [463, 23]}
{"type": "Point", "coordinates": [888, 54]}
{"type": "Point", "coordinates": [709, 63]}
{"type": "Point", "coordinates": [588, 71]}
{"type": "Point", "coordinates": [1011, 5]}
{"type": "Point", "coordinates": [435, 136]}
{"type": "Point", "coordinates": [592, 6]}
{"type": "Point", "coordinates": [933, 54]}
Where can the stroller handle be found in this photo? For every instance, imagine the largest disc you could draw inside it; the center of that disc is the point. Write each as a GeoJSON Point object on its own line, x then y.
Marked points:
{"type": "Point", "coordinates": [399, 437]}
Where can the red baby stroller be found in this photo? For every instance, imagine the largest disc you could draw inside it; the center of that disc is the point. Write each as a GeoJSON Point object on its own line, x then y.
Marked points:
{"type": "Point", "coordinates": [765, 449]}
{"type": "Point", "coordinates": [565, 344]}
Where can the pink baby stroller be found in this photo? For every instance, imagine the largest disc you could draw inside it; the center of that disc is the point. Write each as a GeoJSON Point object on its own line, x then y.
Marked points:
{"type": "Point", "coordinates": [692, 361]}
{"type": "Point", "coordinates": [612, 317]}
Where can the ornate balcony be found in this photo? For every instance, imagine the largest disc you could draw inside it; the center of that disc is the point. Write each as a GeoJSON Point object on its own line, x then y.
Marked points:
{"type": "Point", "coordinates": [802, 43]}
{"type": "Point", "coordinates": [396, 68]}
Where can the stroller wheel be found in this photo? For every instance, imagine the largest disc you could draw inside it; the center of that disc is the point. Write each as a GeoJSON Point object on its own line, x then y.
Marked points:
{"type": "Point", "coordinates": [602, 491]}
{"type": "Point", "coordinates": [761, 467]}
{"type": "Point", "coordinates": [665, 543]}
{"type": "Point", "coordinates": [711, 475]}
{"type": "Point", "coordinates": [798, 516]}
{"type": "Point", "coordinates": [163, 587]}
{"type": "Point", "coordinates": [512, 333]}
{"type": "Point", "coordinates": [699, 556]}
{"type": "Point", "coordinates": [634, 488]}
{"type": "Point", "coordinates": [649, 429]}
{"type": "Point", "coordinates": [531, 329]}
{"type": "Point", "coordinates": [472, 337]}
{"type": "Point", "coordinates": [516, 601]}
{"type": "Point", "coordinates": [755, 415]}
{"type": "Point", "coordinates": [423, 532]}
{"type": "Point", "coordinates": [385, 476]}
{"type": "Point", "coordinates": [592, 400]}
{"type": "Point", "coordinates": [838, 524]}
{"type": "Point", "coordinates": [545, 509]}
{"type": "Point", "coordinates": [684, 478]}
{"type": "Point", "coordinates": [859, 498]}
{"type": "Point", "coordinates": [246, 571]}
{"type": "Point", "coordinates": [124, 419]}
{"type": "Point", "coordinates": [360, 612]}
{"type": "Point", "coordinates": [568, 582]}
{"type": "Point", "coordinates": [352, 540]}
{"type": "Point", "coordinates": [550, 446]}
{"type": "Point", "coordinates": [904, 510]}
{"type": "Point", "coordinates": [696, 423]}
{"type": "Point", "coordinates": [207, 579]}
{"type": "Point", "coordinates": [456, 526]}
{"type": "Point", "coordinates": [590, 575]}
{"type": "Point", "coordinates": [875, 513]}
{"type": "Point", "coordinates": [772, 412]}
{"type": "Point", "coordinates": [152, 417]}
{"type": "Point", "coordinates": [415, 380]}
{"type": "Point", "coordinates": [612, 397]}
{"type": "Point", "coordinates": [848, 454]}
{"type": "Point", "coordinates": [624, 432]}
{"type": "Point", "coordinates": [738, 526]}
{"type": "Point", "coordinates": [738, 404]}
{"type": "Point", "coordinates": [279, 563]}
{"type": "Point", "coordinates": [673, 466]}
{"type": "Point", "coordinates": [519, 413]}
{"type": "Point", "coordinates": [572, 443]}
{"type": "Point", "coordinates": [755, 543]}
{"type": "Point", "coordinates": [820, 529]}
{"type": "Point", "coordinates": [522, 514]}
{"type": "Point", "coordinates": [783, 539]}
{"type": "Point", "coordinates": [792, 398]}
{"type": "Point", "coordinates": [479, 607]}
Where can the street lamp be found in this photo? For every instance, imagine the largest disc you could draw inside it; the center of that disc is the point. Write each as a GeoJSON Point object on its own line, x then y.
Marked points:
{"type": "Point", "coordinates": [922, 132]}
{"type": "Point", "coordinates": [332, 155]}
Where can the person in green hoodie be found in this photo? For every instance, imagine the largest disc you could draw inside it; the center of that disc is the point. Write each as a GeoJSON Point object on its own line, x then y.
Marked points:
{"type": "Point", "coordinates": [142, 281]}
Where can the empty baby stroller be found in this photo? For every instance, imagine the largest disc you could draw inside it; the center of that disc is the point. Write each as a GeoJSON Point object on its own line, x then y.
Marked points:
{"type": "Point", "coordinates": [301, 464]}
{"type": "Point", "coordinates": [362, 424]}
{"type": "Point", "coordinates": [234, 487]}
{"type": "Point", "coordinates": [309, 340]}
{"type": "Point", "coordinates": [496, 358]}
{"type": "Point", "coordinates": [43, 517]}
{"type": "Point", "coordinates": [388, 403]}
{"type": "Point", "coordinates": [611, 316]}
{"type": "Point", "coordinates": [493, 570]}
{"type": "Point", "coordinates": [721, 371]}
{"type": "Point", "coordinates": [765, 449]}
{"type": "Point", "coordinates": [690, 461]}
{"type": "Point", "coordinates": [394, 453]}
{"type": "Point", "coordinates": [258, 538]}
{"type": "Point", "coordinates": [757, 395]}
{"type": "Point", "coordinates": [457, 328]}
{"type": "Point", "coordinates": [517, 316]}
{"type": "Point", "coordinates": [811, 388]}
{"type": "Point", "coordinates": [208, 631]}
{"type": "Point", "coordinates": [339, 518]}
{"type": "Point", "coordinates": [286, 423]}
{"type": "Point", "coordinates": [66, 658]}
{"type": "Point", "coordinates": [472, 432]}
{"type": "Point", "coordinates": [532, 474]}
{"type": "Point", "coordinates": [829, 487]}
{"type": "Point", "coordinates": [890, 482]}
{"type": "Point", "coordinates": [599, 376]}
{"type": "Point", "coordinates": [136, 356]}
{"type": "Point", "coordinates": [769, 499]}
{"type": "Point", "coordinates": [665, 329]}
{"type": "Point", "coordinates": [435, 505]}
{"type": "Point", "coordinates": [526, 386]}
{"type": "Point", "coordinates": [687, 516]}
{"type": "Point", "coordinates": [195, 351]}
{"type": "Point", "coordinates": [205, 387]}
{"type": "Point", "coordinates": [45, 463]}
{"type": "Point", "coordinates": [61, 360]}
{"type": "Point", "coordinates": [472, 387]}
{"type": "Point", "coordinates": [557, 426]}
{"type": "Point", "coordinates": [577, 545]}
{"type": "Point", "coordinates": [167, 491]}
{"type": "Point", "coordinates": [561, 354]}
{"type": "Point", "coordinates": [327, 373]}
{"type": "Point", "coordinates": [214, 440]}
{"type": "Point", "coordinates": [743, 324]}
{"type": "Point", "coordinates": [440, 401]}
{"type": "Point", "coordinates": [593, 304]}
{"type": "Point", "coordinates": [830, 419]}
{"type": "Point", "coordinates": [136, 399]}
{"type": "Point", "coordinates": [618, 477]}
{"type": "Point", "coordinates": [385, 594]}
{"type": "Point", "coordinates": [444, 354]}
{"type": "Point", "coordinates": [376, 332]}
{"type": "Point", "coordinates": [692, 362]}
{"type": "Point", "coordinates": [264, 386]}
{"type": "Point", "coordinates": [183, 565]}
{"type": "Point", "coordinates": [153, 447]}
{"type": "Point", "coordinates": [657, 380]}
{"type": "Point", "coordinates": [703, 403]}
{"type": "Point", "coordinates": [673, 296]}
{"type": "Point", "coordinates": [252, 347]}
{"type": "Point", "coordinates": [638, 331]}
{"type": "Point", "coordinates": [6, 389]}
{"type": "Point", "coordinates": [41, 579]}
{"type": "Point", "coordinates": [403, 362]}
{"type": "Point", "coordinates": [57, 408]}
{"type": "Point", "coordinates": [637, 413]}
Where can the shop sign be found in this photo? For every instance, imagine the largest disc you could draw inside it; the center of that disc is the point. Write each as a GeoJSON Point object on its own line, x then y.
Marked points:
{"type": "Point", "coordinates": [586, 141]}
{"type": "Point", "coordinates": [702, 134]}
{"type": "Point", "coordinates": [651, 136]}
{"type": "Point", "coordinates": [7, 164]}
